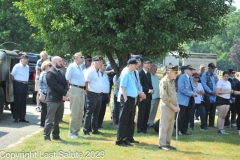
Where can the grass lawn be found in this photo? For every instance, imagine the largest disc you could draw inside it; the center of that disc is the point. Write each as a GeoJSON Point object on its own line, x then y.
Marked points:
{"type": "Point", "coordinates": [198, 145]}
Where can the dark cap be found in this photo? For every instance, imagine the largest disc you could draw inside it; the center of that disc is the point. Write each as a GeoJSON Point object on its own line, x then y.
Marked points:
{"type": "Point", "coordinates": [189, 67]}
{"type": "Point", "coordinates": [132, 61]}
{"type": "Point", "coordinates": [231, 71]}
{"type": "Point", "coordinates": [145, 60]}
{"type": "Point", "coordinates": [24, 56]}
{"type": "Point", "coordinates": [195, 74]}
{"type": "Point", "coordinates": [97, 58]}
{"type": "Point", "coordinates": [137, 57]}
{"type": "Point", "coordinates": [211, 65]}
{"type": "Point", "coordinates": [173, 68]}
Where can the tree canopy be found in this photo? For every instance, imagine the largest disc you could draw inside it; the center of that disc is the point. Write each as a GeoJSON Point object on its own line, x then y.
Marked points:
{"type": "Point", "coordinates": [117, 28]}
{"type": "Point", "coordinates": [16, 30]}
{"type": "Point", "coordinates": [235, 53]}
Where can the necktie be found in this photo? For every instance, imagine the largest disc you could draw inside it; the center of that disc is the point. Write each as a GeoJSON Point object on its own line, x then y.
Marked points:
{"type": "Point", "coordinates": [60, 75]}
{"type": "Point", "coordinates": [190, 83]}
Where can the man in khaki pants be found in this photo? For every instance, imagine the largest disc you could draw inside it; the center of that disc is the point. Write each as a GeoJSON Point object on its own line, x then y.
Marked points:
{"type": "Point", "coordinates": [169, 105]}
{"type": "Point", "coordinates": [76, 80]}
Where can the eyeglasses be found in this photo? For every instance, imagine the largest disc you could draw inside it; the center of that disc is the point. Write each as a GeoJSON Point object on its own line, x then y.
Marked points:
{"type": "Point", "coordinates": [89, 60]}
{"type": "Point", "coordinates": [176, 72]}
{"type": "Point", "coordinates": [49, 65]}
{"type": "Point", "coordinates": [196, 77]}
{"type": "Point", "coordinates": [233, 72]}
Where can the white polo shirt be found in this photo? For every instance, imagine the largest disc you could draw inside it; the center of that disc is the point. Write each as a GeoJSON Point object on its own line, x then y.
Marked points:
{"type": "Point", "coordinates": [75, 75]}
{"type": "Point", "coordinates": [106, 84]}
{"type": "Point", "coordinates": [95, 80]}
{"type": "Point", "coordinates": [20, 72]}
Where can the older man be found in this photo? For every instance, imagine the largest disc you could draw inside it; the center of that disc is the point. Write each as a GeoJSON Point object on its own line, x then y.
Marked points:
{"type": "Point", "coordinates": [94, 87]}
{"type": "Point", "coordinates": [20, 76]}
{"type": "Point", "coordinates": [209, 81]}
{"type": "Point", "coordinates": [44, 57]}
{"type": "Point", "coordinates": [186, 96]}
{"type": "Point", "coordinates": [169, 106]}
{"type": "Point", "coordinates": [155, 96]}
{"type": "Point", "coordinates": [56, 95]}
{"type": "Point", "coordinates": [201, 71]}
{"type": "Point", "coordinates": [76, 80]}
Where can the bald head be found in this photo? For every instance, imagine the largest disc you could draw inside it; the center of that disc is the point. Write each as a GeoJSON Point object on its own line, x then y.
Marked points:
{"type": "Point", "coordinates": [57, 62]}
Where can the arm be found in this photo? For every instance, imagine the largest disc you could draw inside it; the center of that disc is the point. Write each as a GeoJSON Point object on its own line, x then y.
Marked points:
{"type": "Point", "coordinates": [204, 83]}
{"type": "Point", "coordinates": [182, 86]}
{"type": "Point", "coordinates": [86, 85]}
{"type": "Point", "coordinates": [219, 91]}
{"type": "Point", "coordinates": [141, 76]}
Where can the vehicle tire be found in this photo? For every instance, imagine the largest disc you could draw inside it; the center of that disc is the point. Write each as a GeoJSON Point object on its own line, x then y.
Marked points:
{"type": "Point", "coordinates": [34, 101]}
{"type": "Point", "coordinates": [2, 99]}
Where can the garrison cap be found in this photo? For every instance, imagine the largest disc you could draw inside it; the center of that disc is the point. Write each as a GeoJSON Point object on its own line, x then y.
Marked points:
{"type": "Point", "coordinates": [173, 68]}
{"type": "Point", "coordinates": [137, 57]}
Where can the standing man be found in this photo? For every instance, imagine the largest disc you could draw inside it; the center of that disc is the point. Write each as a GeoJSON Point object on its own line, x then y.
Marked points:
{"type": "Point", "coordinates": [145, 105]}
{"type": "Point", "coordinates": [20, 76]}
{"type": "Point", "coordinates": [209, 81]}
{"type": "Point", "coordinates": [128, 93]}
{"type": "Point", "coordinates": [155, 96]}
{"type": "Point", "coordinates": [44, 57]}
{"type": "Point", "coordinates": [201, 71]}
{"type": "Point", "coordinates": [76, 80]}
{"type": "Point", "coordinates": [56, 95]}
{"type": "Point", "coordinates": [94, 85]}
{"type": "Point", "coordinates": [169, 105]}
{"type": "Point", "coordinates": [186, 96]}
{"type": "Point", "coordinates": [232, 108]}
{"type": "Point", "coordinates": [110, 72]}
{"type": "Point", "coordinates": [105, 95]}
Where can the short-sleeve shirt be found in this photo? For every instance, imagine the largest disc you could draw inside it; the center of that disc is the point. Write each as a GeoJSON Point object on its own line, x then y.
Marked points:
{"type": "Point", "coordinates": [75, 75]}
{"type": "Point", "coordinates": [237, 97]}
{"type": "Point", "coordinates": [95, 80]}
{"type": "Point", "coordinates": [199, 97]}
{"type": "Point", "coordinates": [38, 67]}
{"type": "Point", "coordinates": [20, 72]}
{"type": "Point", "coordinates": [225, 86]}
{"type": "Point", "coordinates": [106, 84]}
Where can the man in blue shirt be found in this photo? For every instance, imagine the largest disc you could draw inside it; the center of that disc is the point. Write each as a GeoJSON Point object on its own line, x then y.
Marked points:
{"type": "Point", "coordinates": [128, 92]}
{"type": "Point", "coordinates": [209, 81]}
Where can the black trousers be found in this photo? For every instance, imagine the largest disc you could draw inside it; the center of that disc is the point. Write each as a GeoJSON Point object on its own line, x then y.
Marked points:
{"type": "Point", "coordinates": [237, 106]}
{"type": "Point", "coordinates": [210, 109]}
{"type": "Point", "coordinates": [143, 115]}
{"type": "Point", "coordinates": [132, 127]}
{"type": "Point", "coordinates": [104, 102]}
{"type": "Point", "coordinates": [116, 110]}
{"type": "Point", "coordinates": [20, 100]}
{"type": "Point", "coordinates": [232, 109]}
{"type": "Point", "coordinates": [184, 116]}
{"type": "Point", "coordinates": [125, 119]}
{"type": "Point", "coordinates": [43, 113]}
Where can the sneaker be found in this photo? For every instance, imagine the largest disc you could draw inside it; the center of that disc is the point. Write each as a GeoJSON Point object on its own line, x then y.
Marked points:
{"type": "Point", "coordinates": [38, 109]}
{"type": "Point", "coordinates": [234, 125]}
{"type": "Point", "coordinates": [221, 131]}
{"type": "Point", "coordinates": [72, 136]}
{"type": "Point", "coordinates": [79, 135]}
{"type": "Point", "coordinates": [204, 128]}
{"type": "Point", "coordinates": [164, 148]}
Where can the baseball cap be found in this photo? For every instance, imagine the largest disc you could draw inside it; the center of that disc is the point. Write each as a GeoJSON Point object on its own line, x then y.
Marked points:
{"type": "Point", "coordinates": [132, 61]}
{"type": "Point", "coordinates": [211, 65]}
{"type": "Point", "coordinates": [195, 74]}
{"type": "Point", "coordinates": [189, 67]}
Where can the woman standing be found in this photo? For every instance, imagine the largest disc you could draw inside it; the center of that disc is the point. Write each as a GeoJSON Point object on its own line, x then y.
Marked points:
{"type": "Point", "coordinates": [237, 105]}
{"type": "Point", "coordinates": [46, 66]}
{"type": "Point", "coordinates": [223, 100]}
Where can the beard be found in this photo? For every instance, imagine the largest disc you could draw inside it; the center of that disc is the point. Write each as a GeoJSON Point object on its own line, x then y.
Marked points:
{"type": "Point", "coordinates": [59, 65]}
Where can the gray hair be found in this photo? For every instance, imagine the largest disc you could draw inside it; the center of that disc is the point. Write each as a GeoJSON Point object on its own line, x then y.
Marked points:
{"type": "Point", "coordinates": [43, 53]}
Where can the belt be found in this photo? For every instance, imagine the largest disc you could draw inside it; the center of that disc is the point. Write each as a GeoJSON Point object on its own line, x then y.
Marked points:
{"type": "Point", "coordinates": [24, 82]}
{"type": "Point", "coordinates": [83, 87]}
{"type": "Point", "coordinates": [95, 93]}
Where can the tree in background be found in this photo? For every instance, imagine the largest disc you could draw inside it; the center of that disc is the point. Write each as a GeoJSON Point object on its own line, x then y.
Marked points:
{"type": "Point", "coordinates": [221, 43]}
{"type": "Point", "coordinates": [16, 29]}
{"type": "Point", "coordinates": [118, 28]}
{"type": "Point", "coordinates": [235, 53]}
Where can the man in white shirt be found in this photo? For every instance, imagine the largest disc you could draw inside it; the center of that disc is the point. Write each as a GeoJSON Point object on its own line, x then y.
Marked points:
{"type": "Point", "coordinates": [93, 82]}
{"type": "Point", "coordinates": [20, 76]}
{"type": "Point", "coordinates": [76, 80]}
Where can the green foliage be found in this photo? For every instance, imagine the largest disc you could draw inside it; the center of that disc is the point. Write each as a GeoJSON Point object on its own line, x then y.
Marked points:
{"type": "Point", "coordinates": [15, 28]}
{"type": "Point", "coordinates": [221, 43]}
{"type": "Point", "coordinates": [117, 28]}
{"type": "Point", "coordinates": [235, 53]}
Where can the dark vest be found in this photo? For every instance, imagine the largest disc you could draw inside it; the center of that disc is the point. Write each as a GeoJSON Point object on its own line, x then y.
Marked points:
{"type": "Point", "coordinates": [209, 82]}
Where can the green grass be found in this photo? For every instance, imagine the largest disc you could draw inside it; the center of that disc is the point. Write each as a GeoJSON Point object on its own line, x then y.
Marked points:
{"type": "Point", "coordinates": [198, 145]}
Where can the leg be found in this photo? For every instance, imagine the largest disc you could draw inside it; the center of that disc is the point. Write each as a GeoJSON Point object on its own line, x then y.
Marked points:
{"type": "Point", "coordinates": [171, 120]}
{"type": "Point", "coordinates": [181, 118]}
{"type": "Point", "coordinates": [81, 110]}
{"type": "Point", "coordinates": [116, 110]}
{"type": "Point", "coordinates": [233, 115]}
{"type": "Point", "coordinates": [227, 122]}
{"type": "Point", "coordinates": [163, 125]}
{"type": "Point", "coordinates": [212, 114]}
{"type": "Point", "coordinates": [187, 115]}
{"type": "Point", "coordinates": [141, 110]}
{"type": "Point", "coordinates": [104, 101]}
{"type": "Point", "coordinates": [43, 114]}
{"type": "Point", "coordinates": [17, 99]}
{"type": "Point", "coordinates": [23, 101]}
{"type": "Point", "coordinates": [191, 119]}
{"type": "Point", "coordinates": [202, 113]}
{"type": "Point", "coordinates": [207, 106]}
{"type": "Point", "coordinates": [96, 111]}
{"type": "Point", "coordinates": [238, 118]}
{"type": "Point", "coordinates": [57, 119]}
{"type": "Point", "coordinates": [146, 116]}
{"type": "Point", "coordinates": [153, 111]}
{"type": "Point", "coordinates": [132, 128]}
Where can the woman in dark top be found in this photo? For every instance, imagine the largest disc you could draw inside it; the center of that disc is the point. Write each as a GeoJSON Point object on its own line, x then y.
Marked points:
{"type": "Point", "coordinates": [237, 105]}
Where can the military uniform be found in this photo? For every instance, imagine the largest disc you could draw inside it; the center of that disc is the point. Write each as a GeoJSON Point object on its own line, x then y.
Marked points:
{"type": "Point", "coordinates": [169, 99]}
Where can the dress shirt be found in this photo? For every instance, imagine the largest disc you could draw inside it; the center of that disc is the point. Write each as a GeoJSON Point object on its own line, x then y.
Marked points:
{"type": "Point", "coordinates": [20, 72]}
{"type": "Point", "coordinates": [75, 75]}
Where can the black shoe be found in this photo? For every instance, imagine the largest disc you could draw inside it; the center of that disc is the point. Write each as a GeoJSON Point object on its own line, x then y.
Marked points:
{"type": "Point", "coordinates": [151, 126]}
{"type": "Point", "coordinates": [23, 120]}
{"type": "Point", "coordinates": [133, 141]}
{"type": "Point", "coordinates": [185, 133]}
{"type": "Point", "coordinates": [96, 132]}
{"type": "Point", "coordinates": [127, 143]}
{"type": "Point", "coordinates": [122, 144]}
{"type": "Point", "coordinates": [139, 131]}
{"type": "Point", "coordinates": [47, 139]}
{"type": "Point", "coordinates": [171, 147]}
{"type": "Point", "coordinates": [204, 128]}
{"type": "Point", "coordinates": [212, 126]}
{"type": "Point", "coordinates": [86, 134]}
{"type": "Point", "coordinates": [56, 138]}
{"type": "Point", "coordinates": [16, 121]}
{"type": "Point", "coordinates": [164, 148]}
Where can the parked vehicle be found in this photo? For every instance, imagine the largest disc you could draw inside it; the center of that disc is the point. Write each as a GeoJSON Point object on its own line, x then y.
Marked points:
{"type": "Point", "coordinates": [7, 61]}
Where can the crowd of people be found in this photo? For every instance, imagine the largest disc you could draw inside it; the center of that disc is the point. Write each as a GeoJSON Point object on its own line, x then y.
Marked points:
{"type": "Point", "coordinates": [87, 83]}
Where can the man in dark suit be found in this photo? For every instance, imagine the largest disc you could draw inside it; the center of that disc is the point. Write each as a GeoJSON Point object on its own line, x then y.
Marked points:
{"type": "Point", "coordinates": [145, 105]}
{"type": "Point", "coordinates": [56, 95]}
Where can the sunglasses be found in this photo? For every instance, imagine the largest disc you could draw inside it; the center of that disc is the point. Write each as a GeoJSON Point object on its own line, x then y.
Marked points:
{"type": "Point", "coordinates": [89, 60]}
{"type": "Point", "coordinates": [196, 77]}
